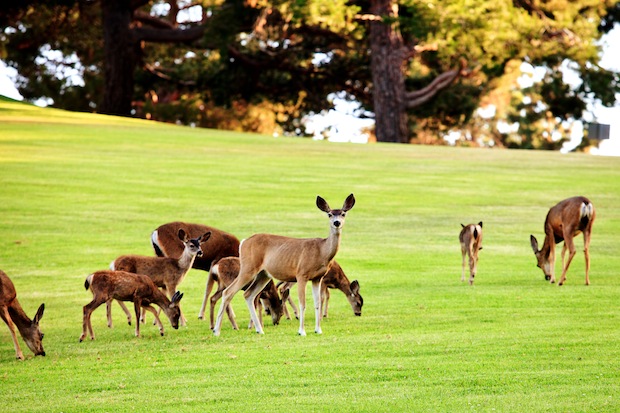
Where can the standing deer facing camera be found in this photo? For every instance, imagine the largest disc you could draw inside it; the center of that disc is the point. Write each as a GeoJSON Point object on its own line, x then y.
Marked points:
{"type": "Point", "coordinates": [471, 243]}
{"type": "Point", "coordinates": [564, 222]}
{"type": "Point", "coordinates": [266, 256]}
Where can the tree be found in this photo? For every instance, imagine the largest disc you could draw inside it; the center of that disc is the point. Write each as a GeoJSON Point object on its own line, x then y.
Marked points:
{"type": "Point", "coordinates": [421, 68]}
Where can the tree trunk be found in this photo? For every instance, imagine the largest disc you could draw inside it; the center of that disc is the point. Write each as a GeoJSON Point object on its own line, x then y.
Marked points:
{"type": "Point", "coordinates": [386, 61]}
{"type": "Point", "coordinates": [120, 51]}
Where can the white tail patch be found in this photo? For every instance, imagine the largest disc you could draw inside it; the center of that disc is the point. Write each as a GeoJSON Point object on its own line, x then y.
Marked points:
{"type": "Point", "coordinates": [155, 240]}
{"type": "Point", "coordinates": [215, 269]}
{"type": "Point", "coordinates": [586, 210]}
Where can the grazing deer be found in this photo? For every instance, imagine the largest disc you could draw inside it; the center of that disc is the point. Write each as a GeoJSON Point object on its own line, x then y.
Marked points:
{"type": "Point", "coordinates": [13, 315]}
{"type": "Point", "coordinates": [124, 286]}
{"type": "Point", "coordinates": [471, 243]}
{"type": "Point", "coordinates": [266, 256]}
{"type": "Point", "coordinates": [219, 245]}
{"type": "Point", "coordinates": [165, 272]}
{"type": "Point", "coordinates": [224, 272]}
{"type": "Point", "coordinates": [564, 222]}
{"type": "Point", "coordinates": [335, 278]}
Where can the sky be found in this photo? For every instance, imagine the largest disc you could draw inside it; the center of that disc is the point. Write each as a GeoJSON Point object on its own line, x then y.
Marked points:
{"type": "Point", "coordinates": [345, 126]}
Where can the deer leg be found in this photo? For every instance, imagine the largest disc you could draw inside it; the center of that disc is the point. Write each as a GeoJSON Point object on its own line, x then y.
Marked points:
{"type": "Point", "coordinates": [586, 251]}
{"type": "Point", "coordinates": [86, 324]}
{"type": "Point", "coordinates": [568, 243]}
{"type": "Point", "coordinates": [261, 280]}
{"type": "Point", "coordinates": [127, 313]}
{"type": "Point", "coordinates": [316, 296]}
{"type": "Point", "coordinates": [324, 300]}
{"type": "Point", "coordinates": [157, 320]}
{"type": "Point", "coordinates": [137, 307]}
{"type": "Point", "coordinates": [208, 289]}
{"type": "Point", "coordinates": [108, 312]}
{"type": "Point", "coordinates": [472, 266]}
{"type": "Point", "coordinates": [563, 253]}
{"type": "Point", "coordinates": [293, 306]}
{"type": "Point", "coordinates": [9, 322]}
{"type": "Point", "coordinates": [301, 293]}
{"type": "Point", "coordinates": [227, 296]}
{"type": "Point", "coordinates": [463, 253]}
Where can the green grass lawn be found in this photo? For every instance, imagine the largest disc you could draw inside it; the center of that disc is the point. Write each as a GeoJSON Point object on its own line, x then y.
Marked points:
{"type": "Point", "coordinates": [77, 190]}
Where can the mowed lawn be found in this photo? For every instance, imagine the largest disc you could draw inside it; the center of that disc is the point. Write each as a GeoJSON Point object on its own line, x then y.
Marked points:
{"type": "Point", "coordinates": [77, 190]}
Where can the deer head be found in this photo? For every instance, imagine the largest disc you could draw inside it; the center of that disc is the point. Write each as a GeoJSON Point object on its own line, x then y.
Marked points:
{"type": "Point", "coordinates": [336, 216]}
{"type": "Point", "coordinates": [193, 244]}
{"type": "Point", "coordinates": [173, 311]}
{"type": "Point", "coordinates": [543, 258]}
{"type": "Point", "coordinates": [355, 299]}
{"type": "Point", "coordinates": [33, 335]}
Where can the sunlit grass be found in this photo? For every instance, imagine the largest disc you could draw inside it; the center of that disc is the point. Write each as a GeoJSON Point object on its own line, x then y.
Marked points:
{"type": "Point", "coordinates": [76, 193]}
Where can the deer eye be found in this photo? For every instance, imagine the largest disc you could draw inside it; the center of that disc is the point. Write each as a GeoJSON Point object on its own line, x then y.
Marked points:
{"type": "Point", "coordinates": [329, 214]}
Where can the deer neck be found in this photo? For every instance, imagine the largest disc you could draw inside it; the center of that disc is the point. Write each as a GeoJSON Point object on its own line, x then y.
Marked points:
{"type": "Point", "coordinates": [19, 317]}
{"type": "Point", "coordinates": [186, 260]}
{"type": "Point", "coordinates": [331, 244]}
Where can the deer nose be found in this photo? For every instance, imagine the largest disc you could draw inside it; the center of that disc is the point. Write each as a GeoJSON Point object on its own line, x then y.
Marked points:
{"type": "Point", "coordinates": [199, 254]}
{"type": "Point", "coordinates": [336, 224]}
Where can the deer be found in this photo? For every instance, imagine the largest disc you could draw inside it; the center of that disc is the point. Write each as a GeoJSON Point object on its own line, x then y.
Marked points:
{"type": "Point", "coordinates": [470, 238]}
{"type": "Point", "coordinates": [219, 245]}
{"type": "Point", "coordinates": [565, 221]}
{"type": "Point", "coordinates": [13, 315]}
{"type": "Point", "coordinates": [266, 256]}
{"type": "Point", "coordinates": [224, 272]}
{"type": "Point", "coordinates": [125, 286]}
{"type": "Point", "coordinates": [335, 278]}
{"type": "Point", "coordinates": [166, 272]}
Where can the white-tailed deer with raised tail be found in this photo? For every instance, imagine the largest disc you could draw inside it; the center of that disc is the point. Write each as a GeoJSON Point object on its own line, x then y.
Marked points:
{"type": "Point", "coordinates": [224, 272]}
{"type": "Point", "coordinates": [564, 222]}
{"type": "Point", "coordinates": [165, 272]}
{"type": "Point", "coordinates": [219, 245]}
{"type": "Point", "coordinates": [14, 316]}
{"type": "Point", "coordinates": [265, 256]}
{"type": "Point", "coordinates": [336, 279]}
{"type": "Point", "coordinates": [471, 244]}
{"type": "Point", "coordinates": [124, 286]}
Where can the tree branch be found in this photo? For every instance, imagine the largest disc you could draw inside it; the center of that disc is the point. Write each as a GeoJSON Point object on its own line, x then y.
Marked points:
{"type": "Point", "coordinates": [168, 35]}
{"type": "Point", "coordinates": [419, 97]}
{"type": "Point", "coordinates": [151, 20]}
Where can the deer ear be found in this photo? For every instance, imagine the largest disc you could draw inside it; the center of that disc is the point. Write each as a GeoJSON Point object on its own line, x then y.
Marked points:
{"type": "Point", "coordinates": [39, 315]}
{"type": "Point", "coordinates": [285, 295]}
{"type": "Point", "coordinates": [176, 298]}
{"type": "Point", "coordinates": [348, 203]}
{"type": "Point", "coordinates": [205, 237]}
{"type": "Point", "coordinates": [480, 223]}
{"type": "Point", "coordinates": [182, 235]}
{"type": "Point", "coordinates": [534, 244]}
{"type": "Point", "coordinates": [355, 287]}
{"type": "Point", "coordinates": [322, 204]}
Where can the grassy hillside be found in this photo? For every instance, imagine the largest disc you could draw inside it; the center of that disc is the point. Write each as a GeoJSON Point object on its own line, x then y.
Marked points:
{"type": "Point", "coordinates": [77, 190]}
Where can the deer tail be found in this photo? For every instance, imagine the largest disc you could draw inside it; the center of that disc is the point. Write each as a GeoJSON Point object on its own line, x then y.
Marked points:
{"type": "Point", "coordinates": [585, 214]}
{"type": "Point", "coordinates": [155, 243]}
{"type": "Point", "coordinates": [88, 281]}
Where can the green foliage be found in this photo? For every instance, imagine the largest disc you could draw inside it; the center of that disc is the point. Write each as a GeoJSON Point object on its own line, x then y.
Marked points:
{"type": "Point", "coordinates": [79, 189]}
{"type": "Point", "coordinates": [263, 54]}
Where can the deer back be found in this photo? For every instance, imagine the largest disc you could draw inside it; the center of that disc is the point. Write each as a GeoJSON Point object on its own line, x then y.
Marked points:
{"type": "Point", "coordinates": [221, 244]}
{"type": "Point", "coordinates": [159, 269]}
{"type": "Point", "coordinates": [285, 258]}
